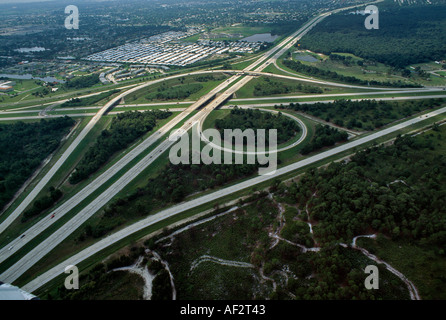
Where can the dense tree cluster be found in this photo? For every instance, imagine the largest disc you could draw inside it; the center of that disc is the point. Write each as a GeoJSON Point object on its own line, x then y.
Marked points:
{"type": "Point", "coordinates": [179, 181]}
{"type": "Point", "coordinates": [398, 191]}
{"type": "Point", "coordinates": [125, 129]}
{"type": "Point", "coordinates": [82, 82]}
{"type": "Point", "coordinates": [295, 230]}
{"type": "Point", "coordinates": [412, 34]}
{"type": "Point", "coordinates": [331, 75]}
{"type": "Point", "coordinates": [345, 60]}
{"type": "Point", "coordinates": [41, 92]}
{"type": "Point", "coordinates": [255, 119]}
{"type": "Point", "coordinates": [165, 92]}
{"type": "Point", "coordinates": [24, 146]}
{"type": "Point", "coordinates": [339, 276]}
{"type": "Point", "coordinates": [172, 186]}
{"type": "Point", "coordinates": [325, 136]}
{"type": "Point", "coordinates": [42, 204]}
{"type": "Point", "coordinates": [208, 78]}
{"type": "Point", "coordinates": [267, 86]}
{"type": "Point", "coordinates": [364, 114]}
{"type": "Point", "coordinates": [162, 290]}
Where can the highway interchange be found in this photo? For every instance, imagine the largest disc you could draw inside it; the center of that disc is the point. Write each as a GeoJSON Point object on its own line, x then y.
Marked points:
{"type": "Point", "coordinates": [195, 113]}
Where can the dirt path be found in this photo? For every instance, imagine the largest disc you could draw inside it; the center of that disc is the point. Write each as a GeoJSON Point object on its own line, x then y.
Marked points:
{"type": "Point", "coordinates": [410, 286]}
{"type": "Point", "coordinates": [414, 295]}
{"type": "Point", "coordinates": [192, 225]}
{"type": "Point", "coordinates": [144, 273]}
{"type": "Point", "coordinates": [275, 234]}
{"type": "Point", "coordinates": [223, 262]}
{"type": "Point", "coordinates": [166, 266]}
{"type": "Point", "coordinates": [304, 249]}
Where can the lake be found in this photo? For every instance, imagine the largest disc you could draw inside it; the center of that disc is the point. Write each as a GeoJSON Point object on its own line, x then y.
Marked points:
{"type": "Point", "coordinates": [27, 50]}
{"type": "Point", "coordinates": [260, 37]}
{"type": "Point", "coordinates": [29, 77]}
{"type": "Point", "coordinates": [305, 57]}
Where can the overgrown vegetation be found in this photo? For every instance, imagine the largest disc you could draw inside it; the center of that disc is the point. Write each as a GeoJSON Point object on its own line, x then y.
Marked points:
{"type": "Point", "coordinates": [166, 92]}
{"type": "Point", "coordinates": [364, 114]}
{"type": "Point", "coordinates": [244, 119]}
{"type": "Point", "coordinates": [42, 204]}
{"type": "Point", "coordinates": [325, 136]}
{"type": "Point", "coordinates": [245, 236]}
{"type": "Point", "coordinates": [102, 283]}
{"type": "Point", "coordinates": [82, 82]}
{"type": "Point", "coordinates": [125, 129]}
{"type": "Point", "coordinates": [24, 146]}
{"type": "Point", "coordinates": [412, 34]}
{"type": "Point", "coordinates": [267, 86]}
{"type": "Point", "coordinates": [397, 191]}
{"type": "Point", "coordinates": [331, 75]}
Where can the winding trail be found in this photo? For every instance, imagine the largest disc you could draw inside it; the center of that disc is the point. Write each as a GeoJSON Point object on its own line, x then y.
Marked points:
{"type": "Point", "coordinates": [276, 233]}
{"type": "Point", "coordinates": [414, 295]}
{"type": "Point", "coordinates": [262, 275]}
{"type": "Point", "coordinates": [413, 291]}
{"type": "Point", "coordinates": [144, 273]}
{"type": "Point", "coordinates": [230, 263]}
{"type": "Point", "coordinates": [192, 225]}
{"type": "Point", "coordinates": [304, 249]}
{"type": "Point", "coordinates": [46, 246]}
{"type": "Point", "coordinates": [166, 266]}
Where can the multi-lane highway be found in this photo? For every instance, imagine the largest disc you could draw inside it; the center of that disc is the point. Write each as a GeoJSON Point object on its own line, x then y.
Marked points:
{"type": "Point", "coordinates": [233, 84]}
{"type": "Point", "coordinates": [165, 214]}
{"type": "Point", "coordinates": [44, 181]}
{"type": "Point", "coordinates": [209, 102]}
{"type": "Point", "coordinates": [263, 61]}
{"type": "Point", "coordinates": [70, 204]}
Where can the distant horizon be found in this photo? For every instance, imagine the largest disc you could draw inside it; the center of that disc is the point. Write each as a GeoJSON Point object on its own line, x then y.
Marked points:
{"type": "Point", "coordinates": [21, 1]}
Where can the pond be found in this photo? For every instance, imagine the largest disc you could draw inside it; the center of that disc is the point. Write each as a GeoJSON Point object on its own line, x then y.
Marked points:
{"type": "Point", "coordinates": [260, 37]}
{"type": "Point", "coordinates": [305, 57]}
{"type": "Point", "coordinates": [29, 77]}
{"type": "Point", "coordinates": [27, 50]}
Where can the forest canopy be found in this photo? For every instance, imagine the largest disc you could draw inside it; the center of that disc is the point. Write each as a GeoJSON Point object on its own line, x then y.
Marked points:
{"type": "Point", "coordinates": [125, 129]}
{"type": "Point", "coordinates": [398, 191]}
{"type": "Point", "coordinates": [364, 114]}
{"type": "Point", "coordinates": [407, 35]}
{"type": "Point", "coordinates": [255, 119]}
{"type": "Point", "coordinates": [33, 142]}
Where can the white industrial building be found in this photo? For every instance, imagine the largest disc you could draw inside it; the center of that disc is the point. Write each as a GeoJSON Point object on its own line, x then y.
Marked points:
{"type": "Point", "coordinates": [158, 50]}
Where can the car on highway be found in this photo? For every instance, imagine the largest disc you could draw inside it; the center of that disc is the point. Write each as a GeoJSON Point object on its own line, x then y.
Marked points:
{"type": "Point", "coordinates": [22, 236]}
{"type": "Point", "coordinates": [52, 216]}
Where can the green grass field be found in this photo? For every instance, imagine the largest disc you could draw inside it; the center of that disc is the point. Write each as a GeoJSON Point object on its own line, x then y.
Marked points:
{"type": "Point", "coordinates": [368, 71]}
{"type": "Point", "coordinates": [248, 90]}
{"type": "Point", "coordinates": [139, 96]}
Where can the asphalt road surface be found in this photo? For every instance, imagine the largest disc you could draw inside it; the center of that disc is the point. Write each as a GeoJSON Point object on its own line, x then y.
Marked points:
{"type": "Point", "coordinates": [165, 214]}
{"type": "Point", "coordinates": [49, 243]}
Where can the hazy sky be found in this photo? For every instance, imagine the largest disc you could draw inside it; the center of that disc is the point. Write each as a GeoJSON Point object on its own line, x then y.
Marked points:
{"type": "Point", "coordinates": [21, 1]}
